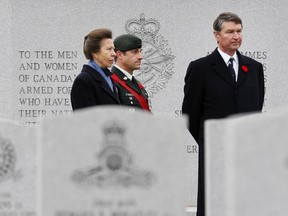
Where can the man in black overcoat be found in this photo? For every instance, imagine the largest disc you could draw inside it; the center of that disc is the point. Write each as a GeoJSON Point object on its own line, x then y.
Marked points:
{"type": "Point", "coordinates": [221, 84]}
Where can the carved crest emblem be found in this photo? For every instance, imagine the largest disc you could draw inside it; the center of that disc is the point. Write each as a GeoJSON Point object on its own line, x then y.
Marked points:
{"type": "Point", "coordinates": [7, 159]}
{"type": "Point", "coordinates": [115, 164]}
{"type": "Point", "coordinates": [157, 64]}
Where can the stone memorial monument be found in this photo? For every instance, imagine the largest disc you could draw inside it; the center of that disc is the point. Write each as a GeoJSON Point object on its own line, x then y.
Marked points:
{"type": "Point", "coordinates": [41, 50]}
{"type": "Point", "coordinates": [18, 171]}
{"type": "Point", "coordinates": [111, 161]}
{"type": "Point", "coordinates": [247, 165]}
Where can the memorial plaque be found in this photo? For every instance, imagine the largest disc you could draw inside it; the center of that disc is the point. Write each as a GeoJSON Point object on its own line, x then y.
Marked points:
{"type": "Point", "coordinates": [17, 169]}
{"type": "Point", "coordinates": [255, 162]}
{"type": "Point", "coordinates": [39, 63]}
{"type": "Point", "coordinates": [110, 161]}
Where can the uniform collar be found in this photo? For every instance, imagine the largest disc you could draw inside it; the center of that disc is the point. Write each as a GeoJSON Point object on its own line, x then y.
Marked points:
{"type": "Point", "coordinates": [128, 75]}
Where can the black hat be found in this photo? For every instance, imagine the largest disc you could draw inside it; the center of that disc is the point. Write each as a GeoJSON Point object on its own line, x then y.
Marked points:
{"type": "Point", "coordinates": [127, 42]}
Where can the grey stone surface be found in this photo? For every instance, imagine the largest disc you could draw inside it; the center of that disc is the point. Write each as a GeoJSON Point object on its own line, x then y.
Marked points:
{"type": "Point", "coordinates": [18, 172]}
{"type": "Point", "coordinates": [216, 167]}
{"type": "Point", "coordinates": [6, 60]}
{"type": "Point", "coordinates": [253, 153]}
{"type": "Point", "coordinates": [110, 160]}
{"type": "Point", "coordinates": [42, 48]}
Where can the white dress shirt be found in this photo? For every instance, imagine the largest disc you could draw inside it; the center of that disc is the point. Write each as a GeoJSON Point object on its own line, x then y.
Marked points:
{"type": "Point", "coordinates": [226, 59]}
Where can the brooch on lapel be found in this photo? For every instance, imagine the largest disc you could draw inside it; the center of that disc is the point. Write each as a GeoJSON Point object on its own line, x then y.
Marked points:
{"type": "Point", "coordinates": [244, 68]}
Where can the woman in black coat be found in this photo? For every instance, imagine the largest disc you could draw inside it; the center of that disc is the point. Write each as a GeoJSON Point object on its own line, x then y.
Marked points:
{"type": "Point", "coordinates": [93, 86]}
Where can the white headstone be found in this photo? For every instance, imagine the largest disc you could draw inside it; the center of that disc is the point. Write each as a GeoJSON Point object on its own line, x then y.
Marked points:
{"type": "Point", "coordinates": [18, 182]}
{"type": "Point", "coordinates": [247, 166]}
{"type": "Point", "coordinates": [109, 161]}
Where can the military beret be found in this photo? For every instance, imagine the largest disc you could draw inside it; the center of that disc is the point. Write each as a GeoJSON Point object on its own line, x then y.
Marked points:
{"type": "Point", "coordinates": [127, 42]}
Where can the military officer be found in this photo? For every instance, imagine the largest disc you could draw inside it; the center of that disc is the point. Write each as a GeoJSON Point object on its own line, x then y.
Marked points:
{"type": "Point", "coordinates": [128, 49]}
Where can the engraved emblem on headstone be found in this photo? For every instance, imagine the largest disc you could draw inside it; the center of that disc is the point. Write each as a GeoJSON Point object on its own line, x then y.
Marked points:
{"type": "Point", "coordinates": [116, 166]}
{"type": "Point", "coordinates": [157, 64]}
{"type": "Point", "coordinates": [7, 159]}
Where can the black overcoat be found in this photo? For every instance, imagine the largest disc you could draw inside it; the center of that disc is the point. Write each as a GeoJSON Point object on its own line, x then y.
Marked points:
{"type": "Point", "coordinates": [90, 89]}
{"type": "Point", "coordinates": [210, 92]}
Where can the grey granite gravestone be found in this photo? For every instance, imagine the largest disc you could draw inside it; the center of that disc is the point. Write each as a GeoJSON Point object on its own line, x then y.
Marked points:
{"type": "Point", "coordinates": [110, 161]}
{"type": "Point", "coordinates": [18, 172]}
{"type": "Point", "coordinates": [253, 153]}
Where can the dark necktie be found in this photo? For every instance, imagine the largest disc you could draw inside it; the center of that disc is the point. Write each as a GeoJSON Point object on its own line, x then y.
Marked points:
{"type": "Point", "coordinates": [230, 66]}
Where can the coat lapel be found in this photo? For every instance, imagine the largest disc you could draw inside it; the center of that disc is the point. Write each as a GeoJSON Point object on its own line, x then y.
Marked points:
{"type": "Point", "coordinates": [134, 86]}
{"type": "Point", "coordinates": [221, 68]}
{"type": "Point", "coordinates": [243, 69]}
{"type": "Point", "coordinates": [95, 74]}
{"type": "Point", "coordinates": [123, 77]}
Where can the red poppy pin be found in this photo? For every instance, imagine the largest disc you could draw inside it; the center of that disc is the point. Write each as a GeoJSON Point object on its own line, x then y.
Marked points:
{"type": "Point", "coordinates": [244, 68]}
